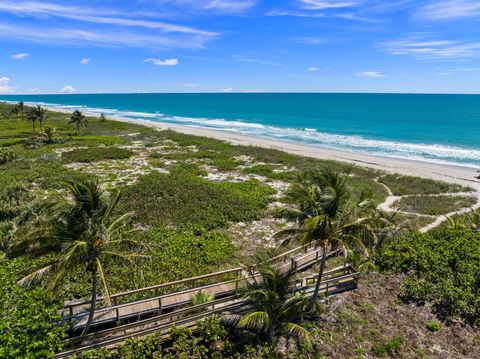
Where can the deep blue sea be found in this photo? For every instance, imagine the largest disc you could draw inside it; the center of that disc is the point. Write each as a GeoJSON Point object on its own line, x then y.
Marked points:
{"type": "Point", "coordinates": [434, 128]}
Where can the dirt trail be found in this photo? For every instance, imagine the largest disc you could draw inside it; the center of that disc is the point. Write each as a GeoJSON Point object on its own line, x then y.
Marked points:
{"type": "Point", "coordinates": [387, 205]}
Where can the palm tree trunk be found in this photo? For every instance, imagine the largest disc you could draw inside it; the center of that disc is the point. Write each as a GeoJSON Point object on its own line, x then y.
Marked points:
{"type": "Point", "coordinates": [93, 302]}
{"type": "Point", "coordinates": [319, 279]}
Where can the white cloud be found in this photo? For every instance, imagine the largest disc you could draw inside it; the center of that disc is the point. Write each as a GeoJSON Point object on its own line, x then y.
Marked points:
{"type": "Point", "coordinates": [310, 40]}
{"type": "Point", "coordinates": [105, 38]}
{"type": "Point", "coordinates": [375, 74]}
{"type": "Point", "coordinates": [68, 89]}
{"type": "Point", "coordinates": [189, 85]}
{"type": "Point", "coordinates": [126, 32]}
{"type": "Point", "coordinates": [166, 62]}
{"type": "Point", "coordinates": [102, 16]}
{"type": "Point", "coordinates": [242, 58]}
{"type": "Point", "coordinates": [85, 61]}
{"type": "Point", "coordinates": [228, 89]}
{"type": "Point", "coordinates": [219, 6]}
{"type": "Point", "coordinates": [450, 9]}
{"type": "Point", "coordinates": [230, 5]}
{"type": "Point", "coordinates": [322, 5]}
{"type": "Point", "coordinates": [313, 69]}
{"type": "Point", "coordinates": [294, 13]}
{"type": "Point", "coordinates": [20, 56]}
{"type": "Point", "coordinates": [5, 87]}
{"type": "Point", "coordinates": [421, 47]}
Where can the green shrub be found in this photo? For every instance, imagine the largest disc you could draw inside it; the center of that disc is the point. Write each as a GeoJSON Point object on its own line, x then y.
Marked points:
{"type": "Point", "coordinates": [392, 346]}
{"type": "Point", "coordinates": [406, 185]}
{"type": "Point", "coordinates": [261, 170]}
{"type": "Point", "coordinates": [12, 200]}
{"type": "Point", "coordinates": [27, 327]}
{"type": "Point", "coordinates": [224, 164]}
{"type": "Point", "coordinates": [176, 254]}
{"type": "Point", "coordinates": [7, 156]}
{"type": "Point", "coordinates": [96, 154]}
{"type": "Point", "coordinates": [182, 199]}
{"type": "Point", "coordinates": [33, 142]}
{"type": "Point", "coordinates": [434, 205]}
{"type": "Point", "coordinates": [188, 169]}
{"type": "Point", "coordinates": [433, 326]}
{"type": "Point", "coordinates": [443, 268]}
{"type": "Point", "coordinates": [201, 297]}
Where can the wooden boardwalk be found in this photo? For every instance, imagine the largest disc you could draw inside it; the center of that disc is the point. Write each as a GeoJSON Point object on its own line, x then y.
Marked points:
{"type": "Point", "coordinates": [298, 259]}
{"type": "Point", "coordinates": [335, 281]}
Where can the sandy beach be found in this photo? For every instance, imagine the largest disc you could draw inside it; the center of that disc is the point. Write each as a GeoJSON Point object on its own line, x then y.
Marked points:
{"type": "Point", "coordinates": [452, 174]}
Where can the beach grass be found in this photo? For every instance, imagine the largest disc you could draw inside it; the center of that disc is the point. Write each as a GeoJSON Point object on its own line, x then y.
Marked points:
{"type": "Point", "coordinates": [407, 185]}
{"type": "Point", "coordinates": [434, 205]}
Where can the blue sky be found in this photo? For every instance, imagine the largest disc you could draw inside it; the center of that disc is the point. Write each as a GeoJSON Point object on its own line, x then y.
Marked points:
{"type": "Point", "coordinates": [89, 46]}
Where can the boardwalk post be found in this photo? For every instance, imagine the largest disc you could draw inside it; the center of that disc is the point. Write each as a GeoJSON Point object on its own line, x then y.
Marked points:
{"type": "Point", "coordinates": [70, 310]}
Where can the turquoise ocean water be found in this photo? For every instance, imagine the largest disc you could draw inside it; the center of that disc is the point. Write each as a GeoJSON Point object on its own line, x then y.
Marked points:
{"type": "Point", "coordinates": [434, 128]}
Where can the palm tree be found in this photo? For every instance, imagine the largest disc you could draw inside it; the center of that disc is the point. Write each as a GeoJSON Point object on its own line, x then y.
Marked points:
{"type": "Point", "coordinates": [32, 116]}
{"type": "Point", "coordinates": [326, 216]}
{"type": "Point", "coordinates": [275, 310]}
{"type": "Point", "coordinates": [50, 132]}
{"type": "Point", "coordinates": [20, 109]}
{"type": "Point", "coordinates": [42, 116]}
{"type": "Point", "coordinates": [83, 233]}
{"type": "Point", "coordinates": [385, 229]}
{"type": "Point", "coordinates": [79, 120]}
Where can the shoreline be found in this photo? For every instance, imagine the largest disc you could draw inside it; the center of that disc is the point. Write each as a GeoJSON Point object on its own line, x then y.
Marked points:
{"type": "Point", "coordinates": [441, 172]}
{"type": "Point", "coordinates": [448, 173]}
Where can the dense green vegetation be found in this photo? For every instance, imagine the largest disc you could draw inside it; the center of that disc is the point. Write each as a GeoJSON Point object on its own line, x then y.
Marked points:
{"type": "Point", "coordinates": [96, 154]}
{"type": "Point", "coordinates": [443, 268]}
{"type": "Point", "coordinates": [407, 185]}
{"type": "Point", "coordinates": [183, 199]}
{"type": "Point", "coordinates": [434, 205]}
{"type": "Point", "coordinates": [175, 254]}
{"type": "Point", "coordinates": [27, 324]}
{"type": "Point", "coordinates": [211, 339]}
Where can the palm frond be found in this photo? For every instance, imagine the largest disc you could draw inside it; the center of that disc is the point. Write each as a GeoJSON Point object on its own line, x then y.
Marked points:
{"type": "Point", "coordinates": [255, 320]}
{"type": "Point", "coordinates": [296, 330]}
{"type": "Point", "coordinates": [289, 235]}
{"type": "Point", "coordinates": [36, 275]}
{"type": "Point", "coordinates": [101, 274]}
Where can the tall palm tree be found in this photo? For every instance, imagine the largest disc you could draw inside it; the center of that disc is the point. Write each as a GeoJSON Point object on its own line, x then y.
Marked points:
{"type": "Point", "coordinates": [32, 117]}
{"type": "Point", "coordinates": [325, 216]}
{"type": "Point", "coordinates": [275, 310]}
{"type": "Point", "coordinates": [20, 109]}
{"type": "Point", "coordinates": [79, 120]}
{"type": "Point", "coordinates": [83, 233]}
{"type": "Point", "coordinates": [42, 116]}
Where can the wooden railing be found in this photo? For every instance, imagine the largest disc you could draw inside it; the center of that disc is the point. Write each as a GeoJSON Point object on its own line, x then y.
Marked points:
{"type": "Point", "coordinates": [73, 308]}
{"type": "Point", "coordinates": [335, 281]}
{"type": "Point", "coordinates": [156, 304]}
